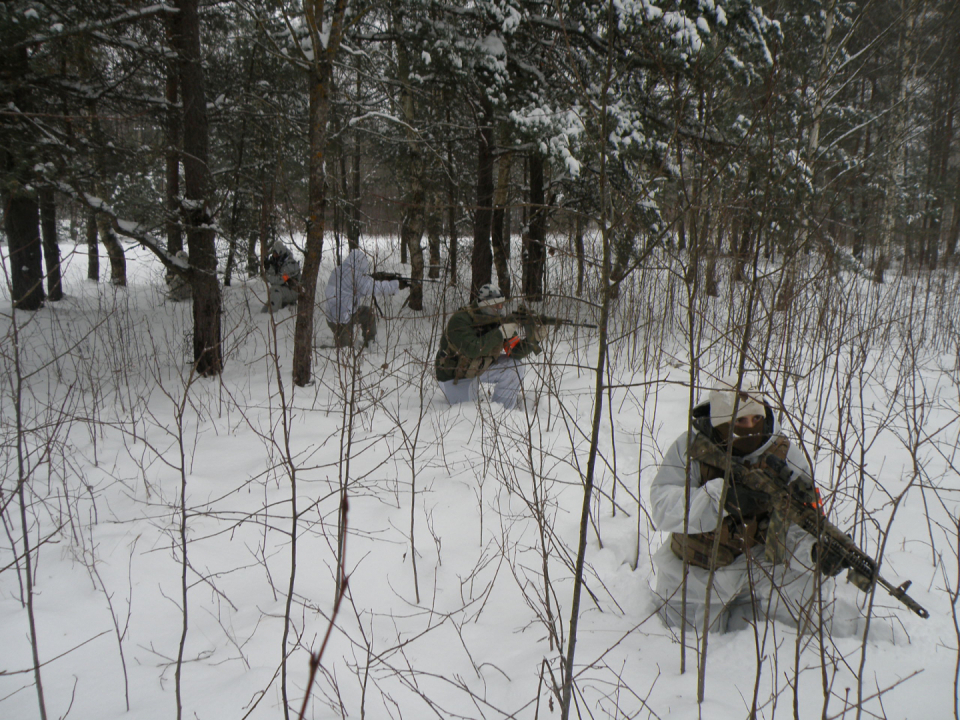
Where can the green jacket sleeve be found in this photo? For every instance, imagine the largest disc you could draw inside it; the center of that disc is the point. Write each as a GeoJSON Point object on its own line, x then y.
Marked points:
{"type": "Point", "coordinates": [471, 343]}
{"type": "Point", "coordinates": [463, 337]}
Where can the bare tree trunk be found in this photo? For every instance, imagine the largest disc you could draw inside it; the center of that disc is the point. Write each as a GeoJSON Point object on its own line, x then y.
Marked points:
{"type": "Point", "coordinates": [710, 285]}
{"type": "Point", "coordinates": [481, 265]}
{"type": "Point", "coordinates": [953, 234]}
{"type": "Point", "coordinates": [500, 238]}
{"type": "Point", "coordinates": [207, 346]}
{"type": "Point", "coordinates": [740, 246]}
{"type": "Point", "coordinates": [316, 210]}
{"type": "Point", "coordinates": [51, 244]}
{"type": "Point", "coordinates": [354, 224]}
{"type": "Point", "coordinates": [233, 238]}
{"type": "Point", "coordinates": [900, 114]}
{"type": "Point", "coordinates": [411, 232]}
{"type": "Point", "coordinates": [880, 266]}
{"type": "Point", "coordinates": [238, 204]}
{"type": "Point", "coordinates": [434, 227]}
{"type": "Point", "coordinates": [255, 262]}
{"type": "Point", "coordinates": [338, 190]}
{"type": "Point", "coordinates": [534, 242]}
{"type": "Point", "coordinates": [453, 240]}
{"type": "Point", "coordinates": [237, 208]}
{"type": "Point", "coordinates": [172, 139]}
{"type": "Point", "coordinates": [22, 226]}
{"type": "Point", "coordinates": [581, 253]}
{"type": "Point", "coordinates": [862, 212]}
{"type": "Point", "coordinates": [21, 211]}
{"type": "Point", "coordinates": [788, 288]}
{"type": "Point", "coordinates": [108, 236]}
{"type": "Point", "coordinates": [102, 189]}
{"type": "Point", "coordinates": [320, 79]}
{"type": "Point", "coordinates": [355, 193]}
{"type": "Point", "coordinates": [946, 91]}
{"type": "Point", "coordinates": [412, 226]}
{"type": "Point", "coordinates": [453, 249]}
{"type": "Point", "coordinates": [412, 177]}
{"type": "Point", "coordinates": [93, 249]}
{"type": "Point", "coordinates": [341, 211]}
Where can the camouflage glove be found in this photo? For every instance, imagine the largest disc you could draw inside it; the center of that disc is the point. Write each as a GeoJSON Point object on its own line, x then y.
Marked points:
{"type": "Point", "coordinates": [744, 502]}
{"type": "Point", "coordinates": [536, 332]}
{"type": "Point", "coordinates": [831, 562]}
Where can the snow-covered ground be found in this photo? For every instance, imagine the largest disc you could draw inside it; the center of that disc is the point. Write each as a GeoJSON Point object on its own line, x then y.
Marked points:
{"type": "Point", "coordinates": [463, 522]}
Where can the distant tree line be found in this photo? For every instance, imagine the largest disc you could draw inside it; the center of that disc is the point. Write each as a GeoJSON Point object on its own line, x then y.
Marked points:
{"type": "Point", "coordinates": [718, 128]}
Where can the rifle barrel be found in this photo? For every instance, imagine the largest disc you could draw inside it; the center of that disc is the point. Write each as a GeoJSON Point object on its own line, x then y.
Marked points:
{"type": "Point", "coordinates": [900, 593]}
{"type": "Point", "coordinates": [396, 276]}
{"type": "Point", "coordinates": [858, 562]}
{"type": "Point", "coordinates": [764, 477]}
{"type": "Point", "coordinates": [525, 316]}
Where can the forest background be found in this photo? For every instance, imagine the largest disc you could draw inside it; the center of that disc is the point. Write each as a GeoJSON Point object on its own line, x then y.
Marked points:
{"type": "Point", "coordinates": [716, 185]}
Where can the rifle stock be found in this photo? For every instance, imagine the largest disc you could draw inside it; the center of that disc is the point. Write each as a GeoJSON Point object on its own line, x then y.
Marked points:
{"type": "Point", "coordinates": [793, 494]}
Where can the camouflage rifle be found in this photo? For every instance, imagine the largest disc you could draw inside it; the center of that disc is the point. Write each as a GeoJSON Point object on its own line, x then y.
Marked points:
{"type": "Point", "coordinates": [795, 498]}
{"type": "Point", "coordinates": [522, 316]}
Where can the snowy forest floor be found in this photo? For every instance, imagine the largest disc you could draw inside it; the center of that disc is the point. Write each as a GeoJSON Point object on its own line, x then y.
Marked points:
{"type": "Point", "coordinates": [463, 522]}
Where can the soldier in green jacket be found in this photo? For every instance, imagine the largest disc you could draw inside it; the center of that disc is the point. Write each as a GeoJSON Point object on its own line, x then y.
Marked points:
{"type": "Point", "coordinates": [479, 347]}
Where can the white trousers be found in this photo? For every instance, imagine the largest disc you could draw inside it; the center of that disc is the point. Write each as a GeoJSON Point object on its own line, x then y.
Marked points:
{"type": "Point", "coordinates": [747, 590]}
{"type": "Point", "coordinates": [280, 296]}
{"type": "Point", "coordinates": [505, 375]}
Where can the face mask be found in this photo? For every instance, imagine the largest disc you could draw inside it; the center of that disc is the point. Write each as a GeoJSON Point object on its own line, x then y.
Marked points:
{"type": "Point", "coordinates": [748, 440]}
{"type": "Point", "coordinates": [745, 440]}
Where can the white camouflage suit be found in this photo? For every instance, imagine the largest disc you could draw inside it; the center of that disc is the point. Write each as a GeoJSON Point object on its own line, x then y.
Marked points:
{"type": "Point", "coordinates": [282, 273]}
{"type": "Point", "coordinates": [778, 590]}
{"type": "Point", "coordinates": [347, 291]}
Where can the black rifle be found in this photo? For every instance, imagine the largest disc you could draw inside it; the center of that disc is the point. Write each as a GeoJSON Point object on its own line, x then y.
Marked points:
{"type": "Point", "coordinates": [794, 496]}
{"type": "Point", "coordinates": [522, 316]}
{"type": "Point", "coordinates": [403, 279]}
{"type": "Point", "coordinates": [275, 262]}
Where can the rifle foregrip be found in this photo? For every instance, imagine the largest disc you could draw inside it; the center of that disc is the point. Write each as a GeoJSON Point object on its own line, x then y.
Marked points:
{"type": "Point", "coordinates": [776, 481]}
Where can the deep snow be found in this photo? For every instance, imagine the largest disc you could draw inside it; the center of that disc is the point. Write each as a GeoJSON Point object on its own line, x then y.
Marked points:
{"type": "Point", "coordinates": [109, 402]}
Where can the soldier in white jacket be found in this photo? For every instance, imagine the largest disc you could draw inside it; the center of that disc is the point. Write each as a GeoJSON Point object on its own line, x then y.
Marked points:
{"type": "Point", "coordinates": [347, 290]}
{"type": "Point", "coordinates": [747, 585]}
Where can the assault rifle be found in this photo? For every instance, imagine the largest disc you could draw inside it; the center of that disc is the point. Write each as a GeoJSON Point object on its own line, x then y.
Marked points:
{"type": "Point", "coordinates": [403, 279]}
{"type": "Point", "coordinates": [795, 498]}
{"type": "Point", "coordinates": [522, 316]}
